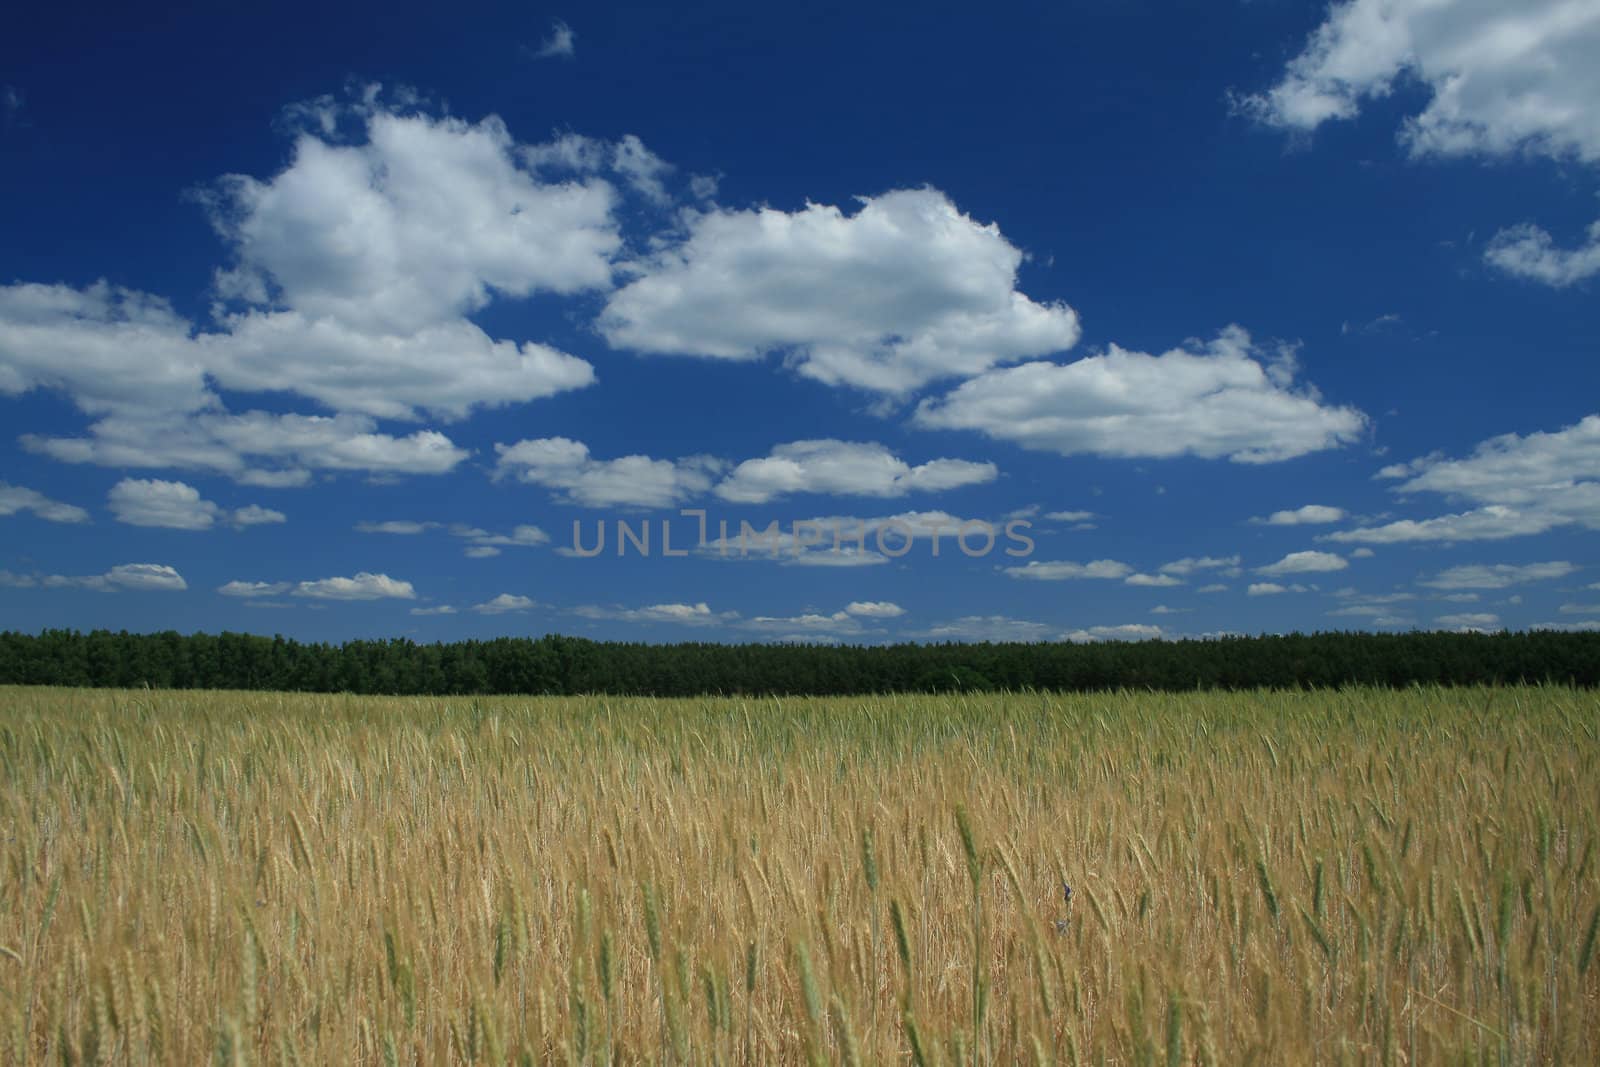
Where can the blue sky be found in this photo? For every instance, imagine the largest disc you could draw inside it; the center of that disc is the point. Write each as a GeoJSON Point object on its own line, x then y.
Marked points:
{"type": "Point", "coordinates": [1249, 318]}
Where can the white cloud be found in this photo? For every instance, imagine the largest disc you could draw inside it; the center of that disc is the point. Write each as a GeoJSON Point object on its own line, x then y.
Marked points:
{"type": "Point", "coordinates": [1361, 610]}
{"type": "Point", "coordinates": [1501, 78]}
{"type": "Point", "coordinates": [905, 291]}
{"type": "Point", "coordinates": [1214, 587]}
{"type": "Point", "coordinates": [178, 506]}
{"type": "Point", "coordinates": [1063, 570]}
{"type": "Point", "coordinates": [1580, 609]}
{"type": "Point", "coordinates": [503, 604]}
{"type": "Point", "coordinates": [400, 527]}
{"type": "Point", "coordinates": [440, 609]}
{"type": "Point", "coordinates": [482, 544]}
{"type": "Point", "coordinates": [250, 590]}
{"type": "Point", "coordinates": [353, 272]}
{"type": "Point", "coordinates": [445, 368]}
{"type": "Point", "coordinates": [699, 614]}
{"type": "Point", "coordinates": [642, 169]}
{"type": "Point", "coordinates": [109, 348]}
{"type": "Point", "coordinates": [422, 222]}
{"type": "Point", "coordinates": [1309, 562]}
{"type": "Point", "coordinates": [364, 586]}
{"type": "Point", "coordinates": [1310, 514]}
{"type": "Point", "coordinates": [565, 465]}
{"type": "Point", "coordinates": [991, 628]}
{"type": "Point", "coordinates": [875, 609]}
{"type": "Point", "coordinates": [562, 41]}
{"type": "Point", "coordinates": [1492, 523]}
{"type": "Point", "coordinates": [1225, 399]}
{"type": "Point", "coordinates": [1498, 575]}
{"type": "Point", "coordinates": [256, 448]}
{"type": "Point", "coordinates": [1469, 621]}
{"type": "Point", "coordinates": [134, 577]}
{"type": "Point", "coordinates": [15, 498]}
{"type": "Point", "coordinates": [1125, 632]}
{"type": "Point", "coordinates": [256, 515]}
{"type": "Point", "coordinates": [1521, 484]}
{"type": "Point", "coordinates": [804, 627]}
{"type": "Point", "coordinates": [1070, 516]}
{"type": "Point", "coordinates": [1362, 553]}
{"type": "Point", "coordinates": [152, 502]}
{"type": "Point", "coordinates": [1529, 252]}
{"type": "Point", "coordinates": [1585, 626]}
{"type": "Point", "coordinates": [1350, 593]}
{"type": "Point", "coordinates": [1273, 589]}
{"type": "Point", "coordinates": [844, 468]}
{"type": "Point", "coordinates": [1228, 565]}
{"type": "Point", "coordinates": [1162, 609]}
{"type": "Point", "coordinates": [1156, 580]}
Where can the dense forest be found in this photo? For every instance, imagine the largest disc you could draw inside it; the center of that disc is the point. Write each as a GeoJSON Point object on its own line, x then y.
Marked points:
{"type": "Point", "coordinates": [556, 664]}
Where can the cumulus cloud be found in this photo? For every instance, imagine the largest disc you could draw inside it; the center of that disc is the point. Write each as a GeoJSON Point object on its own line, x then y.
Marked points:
{"type": "Point", "coordinates": [481, 543]}
{"type": "Point", "coordinates": [364, 586]}
{"type": "Point", "coordinates": [447, 369]}
{"type": "Point", "coordinates": [1126, 632]}
{"type": "Point", "coordinates": [806, 627]}
{"type": "Point", "coordinates": [991, 628]}
{"type": "Point", "coordinates": [561, 41]}
{"type": "Point", "coordinates": [844, 468]}
{"type": "Point", "coordinates": [252, 590]}
{"type": "Point", "coordinates": [875, 609]}
{"type": "Point", "coordinates": [353, 272]}
{"type": "Point", "coordinates": [256, 448]}
{"type": "Point", "coordinates": [566, 466]}
{"type": "Point", "coordinates": [1500, 78]}
{"type": "Point", "coordinates": [438, 609]}
{"type": "Point", "coordinates": [1586, 626]}
{"type": "Point", "coordinates": [642, 169]}
{"type": "Point", "coordinates": [16, 498]}
{"type": "Point", "coordinates": [421, 221]}
{"type": "Point", "coordinates": [256, 515]}
{"type": "Point", "coordinates": [905, 291]}
{"type": "Point", "coordinates": [1226, 565]}
{"type": "Point", "coordinates": [125, 577]}
{"type": "Point", "coordinates": [1064, 570]}
{"type": "Point", "coordinates": [1492, 523]}
{"type": "Point", "coordinates": [1520, 484]}
{"type": "Point", "coordinates": [177, 506]}
{"type": "Point", "coordinates": [1154, 580]}
{"type": "Point", "coordinates": [1497, 575]}
{"type": "Point", "coordinates": [1526, 251]}
{"type": "Point", "coordinates": [1309, 562]}
{"type": "Point", "coordinates": [1469, 621]}
{"type": "Point", "coordinates": [1273, 589]}
{"type": "Point", "coordinates": [699, 614]}
{"type": "Point", "coordinates": [1308, 515]}
{"type": "Point", "coordinates": [1224, 399]}
{"type": "Point", "coordinates": [503, 604]}
{"type": "Point", "coordinates": [399, 527]}
{"type": "Point", "coordinates": [140, 502]}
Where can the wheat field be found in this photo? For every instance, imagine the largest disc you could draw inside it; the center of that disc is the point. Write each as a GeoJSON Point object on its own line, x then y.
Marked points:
{"type": "Point", "coordinates": [1265, 877]}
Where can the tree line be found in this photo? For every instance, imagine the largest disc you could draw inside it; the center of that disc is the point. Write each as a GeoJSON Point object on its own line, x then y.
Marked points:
{"type": "Point", "coordinates": [570, 665]}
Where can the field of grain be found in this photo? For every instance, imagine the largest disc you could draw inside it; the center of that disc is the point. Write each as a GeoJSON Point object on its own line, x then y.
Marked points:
{"type": "Point", "coordinates": [1336, 877]}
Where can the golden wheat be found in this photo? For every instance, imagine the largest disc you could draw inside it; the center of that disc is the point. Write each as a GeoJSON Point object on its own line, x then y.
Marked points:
{"type": "Point", "coordinates": [1354, 876]}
